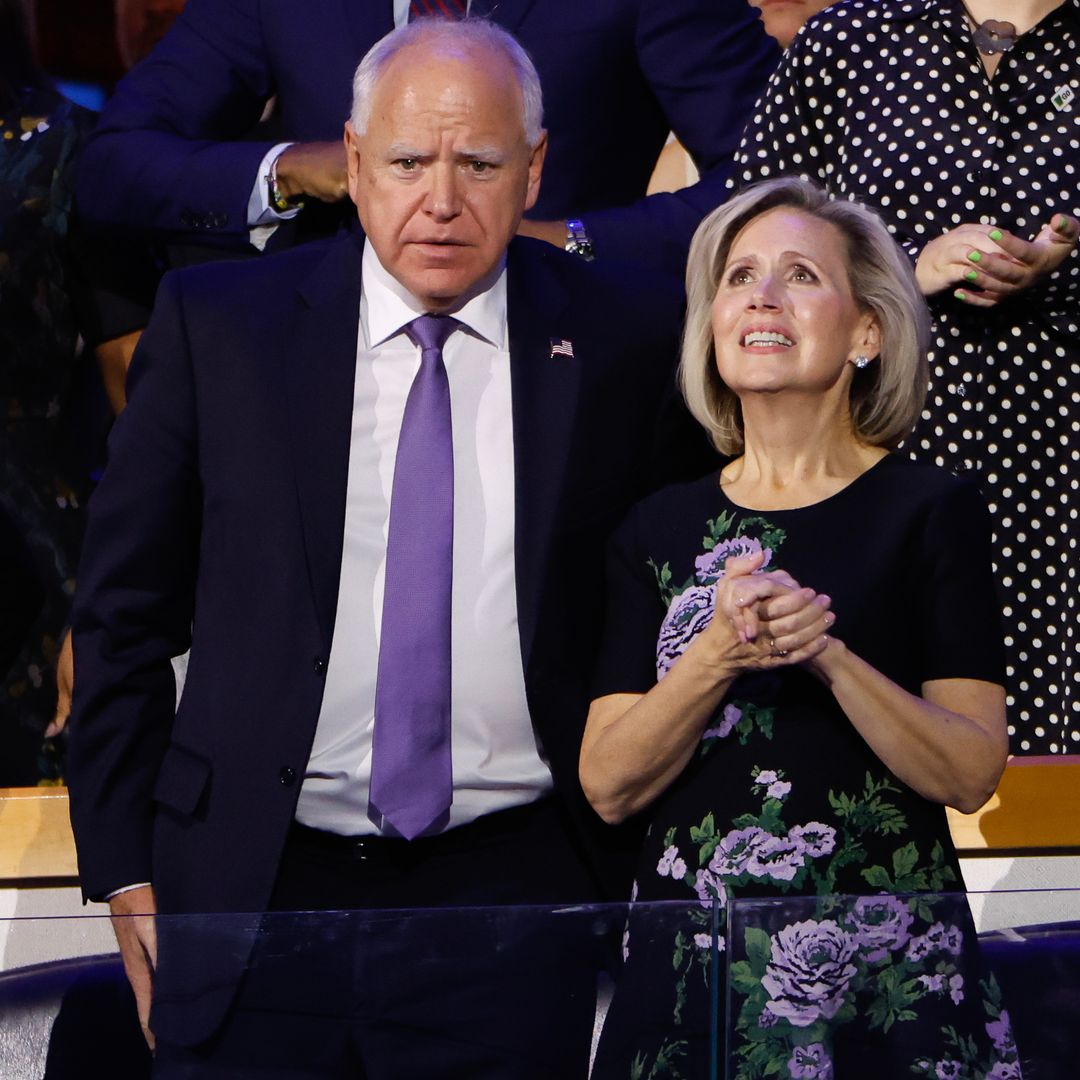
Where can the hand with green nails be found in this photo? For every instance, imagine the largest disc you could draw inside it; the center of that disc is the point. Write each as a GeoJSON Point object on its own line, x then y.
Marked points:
{"type": "Point", "coordinates": [992, 264]}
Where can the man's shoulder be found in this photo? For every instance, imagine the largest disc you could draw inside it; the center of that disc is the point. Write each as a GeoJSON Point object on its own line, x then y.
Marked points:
{"type": "Point", "coordinates": [609, 289]}
{"type": "Point", "coordinates": [266, 280]}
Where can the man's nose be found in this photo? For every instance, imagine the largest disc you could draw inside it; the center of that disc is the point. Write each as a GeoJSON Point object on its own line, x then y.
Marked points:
{"type": "Point", "coordinates": [444, 192]}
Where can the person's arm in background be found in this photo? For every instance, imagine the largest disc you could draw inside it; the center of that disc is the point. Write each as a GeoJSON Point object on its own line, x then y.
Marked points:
{"type": "Point", "coordinates": [168, 153]}
{"type": "Point", "coordinates": [706, 62]}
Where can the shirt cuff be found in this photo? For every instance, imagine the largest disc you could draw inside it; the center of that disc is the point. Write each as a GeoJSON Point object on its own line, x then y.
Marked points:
{"type": "Point", "coordinates": [261, 216]}
{"type": "Point", "coordinates": [127, 888]}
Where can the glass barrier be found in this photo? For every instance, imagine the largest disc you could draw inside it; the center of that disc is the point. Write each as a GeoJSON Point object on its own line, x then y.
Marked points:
{"type": "Point", "coordinates": [833, 988]}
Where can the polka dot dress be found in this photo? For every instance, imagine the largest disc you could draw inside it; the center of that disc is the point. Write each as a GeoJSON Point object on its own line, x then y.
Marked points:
{"type": "Point", "coordinates": [889, 103]}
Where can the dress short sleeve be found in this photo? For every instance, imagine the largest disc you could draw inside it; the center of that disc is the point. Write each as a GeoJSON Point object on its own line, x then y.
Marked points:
{"type": "Point", "coordinates": [633, 614]}
{"type": "Point", "coordinates": [960, 612]}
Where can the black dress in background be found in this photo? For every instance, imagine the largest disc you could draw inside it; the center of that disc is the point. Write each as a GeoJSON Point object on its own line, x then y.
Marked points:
{"type": "Point", "coordinates": [888, 103]}
{"type": "Point", "coordinates": [39, 141]}
{"type": "Point", "coordinates": [785, 799]}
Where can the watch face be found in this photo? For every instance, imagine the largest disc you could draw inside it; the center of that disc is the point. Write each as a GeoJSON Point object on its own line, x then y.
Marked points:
{"type": "Point", "coordinates": [582, 248]}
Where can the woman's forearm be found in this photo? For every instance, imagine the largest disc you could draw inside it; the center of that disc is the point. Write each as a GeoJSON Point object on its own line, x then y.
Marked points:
{"type": "Point", "coordinates": [949, 745]}
{"type": "Point", "coordinates": [635, 745]}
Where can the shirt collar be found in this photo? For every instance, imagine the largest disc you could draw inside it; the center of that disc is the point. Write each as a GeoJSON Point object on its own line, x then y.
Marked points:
{"type": "Point", "coordinates": [386, 305]}
{"type": "Point", "coordinates": [901, 10]}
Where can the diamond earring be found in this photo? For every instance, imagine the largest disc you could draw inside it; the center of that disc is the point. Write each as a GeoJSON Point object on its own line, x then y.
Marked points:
{"type": "Point", "coordinates": [861, 361]}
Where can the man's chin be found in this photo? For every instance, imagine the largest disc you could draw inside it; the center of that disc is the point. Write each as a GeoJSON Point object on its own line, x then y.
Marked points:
{"type": "Point", "coordinates": [442, 288]}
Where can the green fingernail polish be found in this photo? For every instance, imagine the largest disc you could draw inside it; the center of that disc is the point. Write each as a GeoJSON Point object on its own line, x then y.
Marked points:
{"type": "Point", "coordinates": [1062, 226]}
{"type": "Point", "coordinates": [975, 256]}
{"type": "Point", "coordinates": [960, 294]}
{"type": "Point", "coordinates": [971, 275]}
{"type": "Point", "coordinates": [995, 235]}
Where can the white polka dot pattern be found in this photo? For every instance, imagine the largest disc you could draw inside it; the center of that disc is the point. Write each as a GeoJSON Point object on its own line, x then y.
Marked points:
{"type": "Point", "coordinates": [889, 103]}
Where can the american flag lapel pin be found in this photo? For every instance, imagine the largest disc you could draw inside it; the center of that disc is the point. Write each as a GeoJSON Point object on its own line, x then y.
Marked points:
{"type": "Point", "coordinates": [561, 347]}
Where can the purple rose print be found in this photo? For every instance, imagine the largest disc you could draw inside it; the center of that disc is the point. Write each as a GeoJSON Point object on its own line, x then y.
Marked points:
{"type": "Point", "coordinates": [778, 789]}
{"type": "Point", "coordinates": [809, 972]}
{"type": "Point", "coordinates": [1005, 1070]}
{"type": "Point", "coordinates": [880, 924]}
{"type": "Point", "coordinates": [814, 838]}
{"type": "Point", "coordinates": [939, 938]}
{"type": "Point", "coordinates": [736, 850]}
{"type": "Point", "coordinates": [689, 613]}
{"type": "Point", "coordinates": [670, 865]}
{"type": "Point", "coordinates": [730, 717]}
{"type": "Point", "coordinates": [767, 1019]}
{"type": "Point", "coordinates": [933, 983]}
{"type": "Point", "coordinates": [709, 566]}
{"type": "Point", "coordinates": [779, 858]}
{"type": "Point", "coordinates": [704, 941]}
{"type": "Point", "coordinates": [1000, 1034]}
{"type": "Point", "coordinates": [766, 777]}
{"type": "Point", "coordinates": [947, 1070]}
{"type": "Point", "coordinates": [709, 888]}
{"type": "Point", "coordinates": [810, 1063]}
{"type": "Point", "coordinates": [956, 988]}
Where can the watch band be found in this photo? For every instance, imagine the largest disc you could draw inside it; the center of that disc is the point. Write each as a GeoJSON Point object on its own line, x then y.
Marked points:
{"type": "Point", "coordinates": [278, 201]}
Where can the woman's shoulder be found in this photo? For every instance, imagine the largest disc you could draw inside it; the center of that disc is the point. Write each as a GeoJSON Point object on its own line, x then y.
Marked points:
{"type": "Point", "coordinates": [899, 489]}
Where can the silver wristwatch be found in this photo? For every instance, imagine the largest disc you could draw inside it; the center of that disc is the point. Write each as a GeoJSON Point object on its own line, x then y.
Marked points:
{"type": "Point", "coordinates": [577, 240]}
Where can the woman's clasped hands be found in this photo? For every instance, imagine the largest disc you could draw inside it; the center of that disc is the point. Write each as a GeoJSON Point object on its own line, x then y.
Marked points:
{"type": "Point", "coordinates": [766, 619]}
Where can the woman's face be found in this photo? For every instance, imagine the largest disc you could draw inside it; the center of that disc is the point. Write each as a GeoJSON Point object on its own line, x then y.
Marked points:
{"type": "Point", "coordinates": [784, 18]}
{"type": "Point", "coordinates": [784, 317]}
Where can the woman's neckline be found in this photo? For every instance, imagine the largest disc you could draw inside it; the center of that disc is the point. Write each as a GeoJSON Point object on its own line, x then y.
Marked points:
{"type": "Point", "coordinates": [852, 483]}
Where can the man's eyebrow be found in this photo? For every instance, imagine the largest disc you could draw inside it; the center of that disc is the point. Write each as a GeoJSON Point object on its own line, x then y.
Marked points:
{"type": "Point", "coordinates": [404, 150]}
{"type": "Point", "coordinates": [487, 152]}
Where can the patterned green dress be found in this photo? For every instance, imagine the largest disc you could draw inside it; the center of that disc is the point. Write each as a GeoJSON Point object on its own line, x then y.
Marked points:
{"type": "Point", "coordinates": [39, 141]}
{"type": "Point", "coordinates": [854, 970]}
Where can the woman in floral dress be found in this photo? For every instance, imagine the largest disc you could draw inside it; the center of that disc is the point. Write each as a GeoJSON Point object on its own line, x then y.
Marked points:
{"type": "Point", "coordinates": [802, 667]}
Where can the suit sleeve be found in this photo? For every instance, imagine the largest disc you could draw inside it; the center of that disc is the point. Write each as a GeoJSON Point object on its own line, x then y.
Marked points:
{"type": "Point", "coordinates": [706, 62]}
{"type": "Point", "coordinates": [165, 154]}
{"type": "Point", "coordinates": [133, 608]}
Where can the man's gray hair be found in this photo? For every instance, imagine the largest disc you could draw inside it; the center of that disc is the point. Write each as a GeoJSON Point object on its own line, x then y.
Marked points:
{"type": "Point", "coordinates": [466, 35]}
{"type": "Point", "coordinates": [886, 397]}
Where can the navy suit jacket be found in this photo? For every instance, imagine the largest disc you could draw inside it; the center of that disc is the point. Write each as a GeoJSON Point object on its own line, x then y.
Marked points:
{"type": "Point", "coordinates": [218, 525]}
{"type": "Point", "coordinates": [617, 75]}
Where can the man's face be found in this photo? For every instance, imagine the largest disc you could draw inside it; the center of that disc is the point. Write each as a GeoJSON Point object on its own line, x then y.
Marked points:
{"type": "Point", "coordinates": [443, 173]}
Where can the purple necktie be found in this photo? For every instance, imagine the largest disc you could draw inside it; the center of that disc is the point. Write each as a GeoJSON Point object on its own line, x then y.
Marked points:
{"type": "Point", "coordinates": [447, 9]}
{"type": "Point", "coordinates": [411, 774]}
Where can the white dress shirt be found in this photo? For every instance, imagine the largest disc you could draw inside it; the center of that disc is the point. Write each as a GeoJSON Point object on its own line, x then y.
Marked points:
{"type": "Point", "coordinates": [496, 762]}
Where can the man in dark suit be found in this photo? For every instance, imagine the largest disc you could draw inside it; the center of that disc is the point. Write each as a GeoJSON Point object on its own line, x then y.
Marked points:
{"type": "Point", "coordinates": [355, 731]}
{"type": "Point", "coordinates": [617, 76]}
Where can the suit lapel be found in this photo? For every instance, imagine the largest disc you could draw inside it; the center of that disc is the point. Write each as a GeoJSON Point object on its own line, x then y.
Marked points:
{"type": "Point", "coordinates": [320, 368]}
{"type": "Point", "coordinates": [545, 391]}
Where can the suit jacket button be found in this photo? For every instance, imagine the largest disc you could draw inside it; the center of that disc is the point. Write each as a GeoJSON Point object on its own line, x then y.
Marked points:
{"type": "Point", "coordinates": [287, 776]}
{"type": "Point", "coordinates": [319, 664]}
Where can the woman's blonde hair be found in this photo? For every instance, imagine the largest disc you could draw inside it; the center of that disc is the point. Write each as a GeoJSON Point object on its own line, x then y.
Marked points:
{"type": "Point", "coordinates": [888, 395]}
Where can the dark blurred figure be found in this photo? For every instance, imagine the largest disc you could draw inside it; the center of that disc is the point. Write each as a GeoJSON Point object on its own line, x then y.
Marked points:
{"type": "Point", "coordinates": [40, 487]}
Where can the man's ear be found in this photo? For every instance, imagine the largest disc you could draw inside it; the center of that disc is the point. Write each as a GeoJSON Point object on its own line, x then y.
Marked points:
{"type": "Point", "coordinates": [352, 159]}
{"type": "Point", "coordinates": [536, 167]}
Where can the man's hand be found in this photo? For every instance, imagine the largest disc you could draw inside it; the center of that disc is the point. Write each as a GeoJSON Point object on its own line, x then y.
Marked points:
{"type": "Point", "coordinates": [314, 170]}
{"type": "Point", "coordinates": [133, 923]}
{"type": "Point", "coordinates": [554, 232]}
{"type": "Point", "coordinates": [986, 265]}
{"type": "Point", "coordinates": [65, 682]}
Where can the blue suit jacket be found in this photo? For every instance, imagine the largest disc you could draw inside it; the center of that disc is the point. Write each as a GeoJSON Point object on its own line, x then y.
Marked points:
{"type": "Point", "coordinates": [218, 525]}
{"type": "Point", "coordinates": [617, 76]}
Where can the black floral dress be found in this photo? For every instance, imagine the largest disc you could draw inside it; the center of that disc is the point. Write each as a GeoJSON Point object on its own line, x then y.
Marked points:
{"type": "Point", "coordinates": [887, 102]}
{"type": "Point", "coordinates": [854, 967]}
{"type": "Point", "coordinates": [39, 140]}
